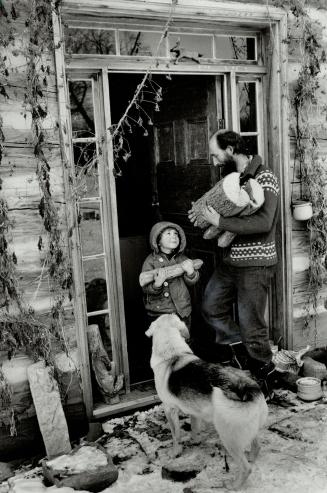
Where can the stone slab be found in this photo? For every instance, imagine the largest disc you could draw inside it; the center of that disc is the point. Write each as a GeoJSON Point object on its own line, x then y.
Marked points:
{"type": "Point", "coordinates": [50, 414]}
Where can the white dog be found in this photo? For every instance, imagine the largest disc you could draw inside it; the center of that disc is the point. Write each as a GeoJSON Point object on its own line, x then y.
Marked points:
{"type": "Point", "coordinates": [224, 396]}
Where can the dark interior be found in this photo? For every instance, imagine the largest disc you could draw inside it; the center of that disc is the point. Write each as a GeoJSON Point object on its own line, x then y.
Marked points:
{"type": "Point", "coordinates": [158, 182]}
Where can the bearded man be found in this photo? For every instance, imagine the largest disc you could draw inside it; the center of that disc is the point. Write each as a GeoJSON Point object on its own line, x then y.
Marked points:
{"type": "Point", "coordinates": [248, 264]}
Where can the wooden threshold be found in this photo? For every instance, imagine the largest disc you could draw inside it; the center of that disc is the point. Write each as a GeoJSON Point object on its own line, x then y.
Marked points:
{"type": "Point", "coordinates": [133, 400]}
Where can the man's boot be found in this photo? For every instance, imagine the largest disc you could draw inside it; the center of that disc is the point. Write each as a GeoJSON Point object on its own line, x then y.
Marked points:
{"type": "Point", "coordinates": [266, 375]}
{"type": "Point", "coordinates": [240, 356]}
{"type": "Point", "coordinates": [224, 354]}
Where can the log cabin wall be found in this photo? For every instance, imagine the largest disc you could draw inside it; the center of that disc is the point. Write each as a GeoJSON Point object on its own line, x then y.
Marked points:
{"type": "Point", "coordinates": [316, 333]}
{"type": "Point", "coordinates": [20, 186]}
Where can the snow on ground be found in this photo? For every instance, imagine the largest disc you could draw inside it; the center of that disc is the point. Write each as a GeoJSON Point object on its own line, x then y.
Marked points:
{"type": "Point", "coordinates": [293, 456]}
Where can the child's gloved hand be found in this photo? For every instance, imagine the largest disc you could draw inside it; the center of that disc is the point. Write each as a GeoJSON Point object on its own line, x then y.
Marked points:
{"type": "Point", "coordinates": [187, 266]}
{"type": "Point", "coordinates": [159, 278]}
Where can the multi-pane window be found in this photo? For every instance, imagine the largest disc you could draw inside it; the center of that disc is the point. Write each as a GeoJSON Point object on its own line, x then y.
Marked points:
{"type": "Point", "coordinates": [249, 114]}
{"type": "Point", "coordinates": [144, 42]}
{"type": "Point", "coordinates": [87, 190]}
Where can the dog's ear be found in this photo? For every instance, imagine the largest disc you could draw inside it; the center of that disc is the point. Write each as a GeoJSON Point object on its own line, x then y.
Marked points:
{"type": "Point", "coordinates": [150, 330]}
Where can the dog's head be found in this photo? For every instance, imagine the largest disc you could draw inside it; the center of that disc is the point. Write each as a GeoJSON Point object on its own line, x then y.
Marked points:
{"type": "Point", "coordinates": [164, 322]}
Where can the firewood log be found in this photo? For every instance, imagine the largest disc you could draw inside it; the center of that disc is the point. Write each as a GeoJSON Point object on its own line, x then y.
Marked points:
{"type": "Point", "coordinates": [228, 198]}
{"type": "Point", "coordinates": [171, 272]}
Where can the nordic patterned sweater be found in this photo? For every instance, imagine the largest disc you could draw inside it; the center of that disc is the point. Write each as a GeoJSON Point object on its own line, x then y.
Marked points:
{"type": "Point", "coordinates": [255, 244]}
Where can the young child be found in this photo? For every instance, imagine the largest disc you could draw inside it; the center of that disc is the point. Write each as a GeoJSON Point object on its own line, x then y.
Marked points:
{"type": "Point", "coordinates": [163, 295]}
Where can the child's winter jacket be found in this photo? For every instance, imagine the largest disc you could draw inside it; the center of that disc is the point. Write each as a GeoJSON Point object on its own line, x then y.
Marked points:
{"type": "Point", "coordinates": [173, 296]}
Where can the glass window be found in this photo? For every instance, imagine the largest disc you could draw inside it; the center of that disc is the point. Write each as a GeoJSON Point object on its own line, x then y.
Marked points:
{"type": "Point", "coordinates": [235, 48]}
{"type": "Point", "coordinates": [247, 106]}
{"type": "Point", "coordinates": [191, 45]}
{"type": "Point", "coordinates": [90, 227]}
{"type": "Point", "coordinates": [96, 300]}
{"type": "Point", "coordinates": [94, 269]}
{"type": "Point", "coordinates": [86, 169]}
{"type": "Point", "coordinates": [101, 41]}
{"type": "Point", "coordinates": [251, 143]}
{"type": "Point", "coordinates": [81, 108]}
{"type": "Point", "coordinates": [141, 43]}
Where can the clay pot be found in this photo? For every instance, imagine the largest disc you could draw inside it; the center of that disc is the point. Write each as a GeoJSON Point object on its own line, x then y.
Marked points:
{"type": "Point", "coordinates": [302, 210]}
{"type": "Point", "coordinates": [309, 388]}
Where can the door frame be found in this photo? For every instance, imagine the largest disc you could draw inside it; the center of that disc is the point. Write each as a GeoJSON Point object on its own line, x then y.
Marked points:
{"type": "Point", "coordinates": [271, 21]}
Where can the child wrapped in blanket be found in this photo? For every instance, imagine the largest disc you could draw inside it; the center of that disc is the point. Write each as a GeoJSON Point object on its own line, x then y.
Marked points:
{"type": "Point", "coordinates": [229, 197]}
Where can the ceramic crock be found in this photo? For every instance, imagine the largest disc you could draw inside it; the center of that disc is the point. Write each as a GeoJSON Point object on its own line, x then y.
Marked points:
{"type": "Point", "coordinates": [309, 388]}
{"type": "Point", "coordinates": [302, 210]}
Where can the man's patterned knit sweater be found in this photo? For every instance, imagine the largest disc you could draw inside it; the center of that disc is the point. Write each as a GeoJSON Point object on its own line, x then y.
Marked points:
{"type": "Point", "coordinates": [254, 244]}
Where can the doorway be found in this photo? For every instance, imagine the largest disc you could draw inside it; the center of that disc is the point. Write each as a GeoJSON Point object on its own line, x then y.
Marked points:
{"type": "Point", "coordinates": [168, 168]}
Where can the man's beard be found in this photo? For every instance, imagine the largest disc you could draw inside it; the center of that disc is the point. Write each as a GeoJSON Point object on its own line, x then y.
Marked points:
{"type": "Point", "coordinates": [229, 166]}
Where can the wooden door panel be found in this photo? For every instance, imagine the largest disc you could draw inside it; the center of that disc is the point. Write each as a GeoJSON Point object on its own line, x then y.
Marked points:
{"type": "Point", "coordinates": [178, 186]}
{"type": "Point", "coordinates": [182, 171]}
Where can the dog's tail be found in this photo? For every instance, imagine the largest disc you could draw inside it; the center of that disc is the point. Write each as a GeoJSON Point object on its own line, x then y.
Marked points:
{"type": "Point", "coordinates": [236, 384]}
{"type": "Point", "coordinates": [247, 391]}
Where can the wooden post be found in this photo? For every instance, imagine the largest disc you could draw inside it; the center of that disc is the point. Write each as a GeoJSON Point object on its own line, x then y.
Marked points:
{"type": "Point", "coordinates": [75, 248]}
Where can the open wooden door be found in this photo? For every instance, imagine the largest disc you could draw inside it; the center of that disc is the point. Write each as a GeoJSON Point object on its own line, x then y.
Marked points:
{"type": "Point", "coordinates": [167, 170]}
{"type": "Point", "coordinates": [191, 111]}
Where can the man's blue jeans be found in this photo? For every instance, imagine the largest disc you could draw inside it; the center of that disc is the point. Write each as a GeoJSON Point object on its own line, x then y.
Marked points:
{"type": "Point", "coordinates": [247, 287]}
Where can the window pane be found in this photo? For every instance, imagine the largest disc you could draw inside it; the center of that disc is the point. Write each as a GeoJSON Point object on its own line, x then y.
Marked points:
{"type": "Point", "coordinates": [81, 108]}
{"type": "Point", "coordinates": [90, 227]}
{"type": "Point", "coordinates": [252, 143]}
{"type": "Point", "coordinates": [94, 269]}
{"type": "Point", "coordinates": [247, 106]}
{"type": "Point", "coordinates": [141, 43]}
{"type": "Point", "coordinates": [235, 48]}
{"type": "Point", "coordinates": [86, 169]}
{"type": "Point", "coordinates": [96, 299]}
{"type": "Point", "coordinates": [192, 45]}
{"type": "Point", "coordinates": [99, 41]}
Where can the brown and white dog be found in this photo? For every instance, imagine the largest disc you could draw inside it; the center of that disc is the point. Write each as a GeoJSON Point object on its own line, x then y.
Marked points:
{"type": "Point", "coordinates": [224, 396]}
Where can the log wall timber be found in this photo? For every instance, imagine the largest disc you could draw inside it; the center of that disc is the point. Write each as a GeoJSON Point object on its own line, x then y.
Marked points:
{"type": "Point", "coordinates": [316, 333]}
{"type": "Point", "coordinates": [20, 187]}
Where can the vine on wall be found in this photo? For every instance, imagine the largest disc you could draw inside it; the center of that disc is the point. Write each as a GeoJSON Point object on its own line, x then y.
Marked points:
{"type": "Point", "coordinates": [36, 50]}
{"type": "Point", "coordinates": [312, 165]}
{"type": "Point", "coordinates": [306, 35]}
{"type": "Point", "coordinates": [20, 328]}
{"type": "Point", "coordinates": [40, 44]}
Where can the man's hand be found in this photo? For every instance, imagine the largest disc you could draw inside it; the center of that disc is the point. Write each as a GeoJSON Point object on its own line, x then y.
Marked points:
{"type": "Point", "coordinates": [211, 216]}
{"type": "Point", "coordinates": [208, 214]}
{"type": "Point", "coordinates": [159, 277]}
{"type": "Point", "coordinates": [193, 216]}
{"type": "Point", "coordinates": [187, 266]}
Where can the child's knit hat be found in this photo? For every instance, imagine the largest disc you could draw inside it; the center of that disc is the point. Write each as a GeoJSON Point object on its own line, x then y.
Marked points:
{"type": "Point", "coordinates": [159, 227]}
